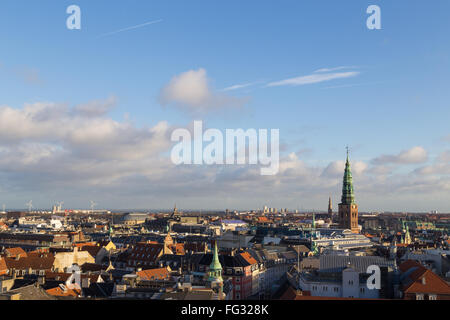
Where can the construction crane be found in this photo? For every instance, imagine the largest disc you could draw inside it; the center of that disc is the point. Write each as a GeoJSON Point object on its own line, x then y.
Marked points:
{"type": "Point", "coordinates": [29, 204]}
{"type": "Point", "coordinates": [93, 204]}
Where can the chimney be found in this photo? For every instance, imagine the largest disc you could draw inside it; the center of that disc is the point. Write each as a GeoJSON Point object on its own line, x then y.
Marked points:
{"type": "Point", "coordinates": [85, 282]}
{"type": "Point", "coordinates": [424, 281]}
{"type": "Point", "coordinates": [41, 281]}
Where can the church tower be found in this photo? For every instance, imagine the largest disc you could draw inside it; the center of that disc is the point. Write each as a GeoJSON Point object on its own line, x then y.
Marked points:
{"type": "Point", "coordinates": [175, 212]}
{"type": "Point", "coordinates": [348, 209]}
{"type": "Point", "coordinates": [168, 243]}
{"type": "Point", "coordinates": [407, 236]}
{"type": "Point", "coordinates": [215, 273]}
{"type": "Point", "coordinates": [330, 207]}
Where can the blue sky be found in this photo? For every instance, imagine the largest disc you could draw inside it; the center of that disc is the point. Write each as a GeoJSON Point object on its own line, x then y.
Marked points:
{"type": "Point", "coordinates": [397, 99]}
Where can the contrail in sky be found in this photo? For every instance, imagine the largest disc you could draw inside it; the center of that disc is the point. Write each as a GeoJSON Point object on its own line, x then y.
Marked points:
{"type": "Point", "coordinates": [130, 28]}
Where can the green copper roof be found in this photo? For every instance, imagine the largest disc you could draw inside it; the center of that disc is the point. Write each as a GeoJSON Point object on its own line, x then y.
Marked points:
{"type": "Point", "coordinates": [348, 194]}
{"type": "Point", "coordinates": [215, 268]}
{"type": "Point", "coordinates": [215, 264]}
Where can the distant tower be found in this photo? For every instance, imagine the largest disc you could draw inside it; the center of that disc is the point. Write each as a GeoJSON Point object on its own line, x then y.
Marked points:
{"type": "Point", "coordinates": [110, 231]}
{"type": "Point", "coordinates": [348, 209]}
{"type": "Point", "coordinates": [215, 272]}
{"type": "Point", "coordinates": [393, 250]}
{"type": "Point", "coordinates": [407, 236]}
{"type": "Point", "coordinates": [175, 212]}
{"type": "Point", "coordinates": [168, 244]}
{"type": "Point", "coordinates": [330, 207]}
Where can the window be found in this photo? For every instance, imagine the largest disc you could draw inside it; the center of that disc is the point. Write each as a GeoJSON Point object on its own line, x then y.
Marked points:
{"type": "Point", "coordinates": [432, 297]}
{"type": "Point", "coordinates": [336, 289]}
{"type": "Point", "coordinates": [350, 282]}
{"type": "Point", "coordinates": [362, 290]}
{"type": "Point", "coordinates": [419, 297]}
{"type": "Point", "coordinates": [325, 288]}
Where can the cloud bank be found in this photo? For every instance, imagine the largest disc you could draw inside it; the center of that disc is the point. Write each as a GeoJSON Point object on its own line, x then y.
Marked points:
{"type": "Point", "coordinates": [51, 151]}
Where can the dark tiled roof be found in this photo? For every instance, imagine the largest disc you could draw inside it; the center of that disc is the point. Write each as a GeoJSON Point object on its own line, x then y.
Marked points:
{"type": "Point", "coordinates": [99, 290]}
{"type": "Point", "coordinates": [334, 263]}
{"type": "Point", "coordinates": [30, 292]}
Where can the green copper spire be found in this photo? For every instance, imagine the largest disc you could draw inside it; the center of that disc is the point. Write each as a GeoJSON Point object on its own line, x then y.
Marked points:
{"type": "Point", "coordinates": [215, 268]}
{"type": "Point", "coordinates": [348, 195]}
{"type": "Point", "coordinates": [314, 248]}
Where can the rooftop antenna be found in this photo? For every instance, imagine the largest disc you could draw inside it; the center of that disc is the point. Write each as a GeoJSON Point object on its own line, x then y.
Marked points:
{"type": "Point", "coordinates": [93, 204]}
{"type": "Point", "coordinates": [29, 204]}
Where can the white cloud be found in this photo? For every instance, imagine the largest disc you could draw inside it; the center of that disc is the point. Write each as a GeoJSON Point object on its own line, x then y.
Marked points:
{"type": "Point", "coordinates": [240, 86]}
{"type": "Point", "coordinates": [334, 69]}
{"type": "Point", "coordinates": [313, 78]}
{"type": "Point", "coordinates": [49, 152]}
{"type": "Point", "coordinates": [441, 166]}
{"type": "Point", "coordinates": [131, 28]}
{"type": "Point", "coordinates": [191, 90]}
{"type": "Point", "coordinates": [414, 155]}
{"type": "Point", "coordinates": [336, 169]}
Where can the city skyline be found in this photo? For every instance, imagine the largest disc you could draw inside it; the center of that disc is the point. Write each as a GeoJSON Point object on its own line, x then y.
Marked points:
{"type": "Point", "coordinates": [87, 114]}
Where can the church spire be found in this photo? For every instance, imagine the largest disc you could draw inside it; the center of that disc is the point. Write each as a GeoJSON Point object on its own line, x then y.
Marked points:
{"type": "Point", "coordinates": [348, 196]}
{"type": "Point", "coordinates": [215, 268]}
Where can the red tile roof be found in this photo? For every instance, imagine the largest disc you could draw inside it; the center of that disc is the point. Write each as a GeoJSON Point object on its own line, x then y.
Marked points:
{"type": "Point", "coordinates": [59, 292]}
{"type": "Point", "coordinates": [82, 244]}
{"type": "Point", "coordinates": [146, 251]}
{"type": "Point", "coordinates": [14, 252]}
{"type": "Point", "coordinates": [3, 267]}
{"type": "Point", "coordinates": [43, 261]}
{"type": "Point", "coordinates": [154, 274]}
{"type": "Point", "coordinates": [422, 280]}
{"type": "Point", "coordinates": [248, 257]}
{"type": "Point", "coordinates": [178, 248]}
